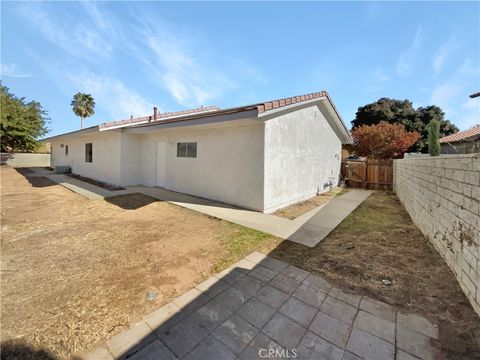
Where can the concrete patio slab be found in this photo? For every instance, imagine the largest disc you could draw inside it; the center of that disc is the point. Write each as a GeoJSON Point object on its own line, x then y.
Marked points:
{"type": "Point", "coordinates": [229, 323]}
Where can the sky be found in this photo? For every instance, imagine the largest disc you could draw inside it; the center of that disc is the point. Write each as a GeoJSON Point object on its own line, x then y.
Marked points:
{"type": "Point", "coordinates": [132, 56]}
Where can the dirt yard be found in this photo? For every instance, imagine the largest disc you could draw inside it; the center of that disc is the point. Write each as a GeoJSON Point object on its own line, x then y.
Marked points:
{"type": "Point", "coordinates": [378, 251]}
{"type": "Point", "coordinates": [76, 271]}
{"type": "Point", "coordinates": [293, 211]}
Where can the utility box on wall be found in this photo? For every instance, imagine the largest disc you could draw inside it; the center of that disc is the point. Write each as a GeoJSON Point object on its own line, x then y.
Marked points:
{"type": "Point", "coordinates": [62, 169]}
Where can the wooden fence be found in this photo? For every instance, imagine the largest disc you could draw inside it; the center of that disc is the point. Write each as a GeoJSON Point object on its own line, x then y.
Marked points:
{"type": "Point", "coordinates": [368, 174]}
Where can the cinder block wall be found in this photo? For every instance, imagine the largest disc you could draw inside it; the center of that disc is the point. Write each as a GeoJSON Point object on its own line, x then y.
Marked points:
{"type": "Point", "coordinates": [25, 159]}
{"type": "Point", "coordinates": [442, 195]}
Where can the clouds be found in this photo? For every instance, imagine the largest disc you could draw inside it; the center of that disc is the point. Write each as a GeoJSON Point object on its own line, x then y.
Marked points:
{"type": "Point", "coordinates": [188, 67]}
{"type": "Point", "coordinates": [169, 58]}
{"type": "Point", "coordinates": [444, 53]}
{"type": "Point", "coordinates": [451, 94]}
{"type": "Point", "coordinates": [187, 78]}
{"type": "Point", "coordinates": [80, 60]}
{"type": "Point", "coordinates": [119, 100]}
{"type": "Point", "coordinates": [77, 39]}
{"type": "Point", "coordinates": [447, 78]}
{"type": "Point", "coordinates": [408, 57]}
{"type": "Point", "coordinates": [13, 70]}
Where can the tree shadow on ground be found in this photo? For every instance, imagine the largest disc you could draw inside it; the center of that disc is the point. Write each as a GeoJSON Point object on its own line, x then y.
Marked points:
{"type": "Point", "coordinates": [20, 350]}
{"type": "Point", "coordinates": [35, 181]}
{"type": "Point", "coordinates": [131, 201]}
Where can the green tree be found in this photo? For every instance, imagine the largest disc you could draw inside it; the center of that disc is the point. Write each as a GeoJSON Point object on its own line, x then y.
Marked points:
{"type": "Point", "coordinates": [402, 112]}
{"type": "Point", "coordinates": [434, 138]}
{"type": "Point", "coordinates": [21, 123]}
{"type": "Point", "coordinates": [83, 106]}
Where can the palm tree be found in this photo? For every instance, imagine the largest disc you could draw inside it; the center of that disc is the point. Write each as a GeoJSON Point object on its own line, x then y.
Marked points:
{"type": "Point", "coordinates": [83, 106]}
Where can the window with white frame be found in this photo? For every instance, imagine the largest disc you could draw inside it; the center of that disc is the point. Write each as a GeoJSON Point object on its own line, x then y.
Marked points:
{"type": "Point", "coordinates": [187, 149]}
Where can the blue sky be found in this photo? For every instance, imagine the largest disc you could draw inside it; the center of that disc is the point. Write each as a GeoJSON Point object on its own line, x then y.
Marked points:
{"type": "Point", "coordinates": [133, 55]}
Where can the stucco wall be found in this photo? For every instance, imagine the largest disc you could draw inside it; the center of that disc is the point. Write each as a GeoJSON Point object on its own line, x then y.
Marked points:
{"type": "Point", "coordinates": [228, 166]}
{"type": "Point", "coordinates": [131, 162]}
{"type": "Point", "coordinates": [442, 195]}
{"type": "Point", "coordinates": [106, 155]}
{"type": "Point", "coordinates": [302, 153]}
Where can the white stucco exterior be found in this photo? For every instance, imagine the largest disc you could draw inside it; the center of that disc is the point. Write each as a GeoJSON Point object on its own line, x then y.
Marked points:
{"type": "Point", "coordinates": [257, 162]}
{"type": "Point", "coordinates": [106, 155]}
{"type": "Point", "coordinates": [302, 155]}
{"type": "Point", "coordinates": [228, 166]}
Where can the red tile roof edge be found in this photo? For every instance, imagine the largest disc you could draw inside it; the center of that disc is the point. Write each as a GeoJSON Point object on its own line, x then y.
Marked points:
{"type": "Point", "coordinates": [461, 135]}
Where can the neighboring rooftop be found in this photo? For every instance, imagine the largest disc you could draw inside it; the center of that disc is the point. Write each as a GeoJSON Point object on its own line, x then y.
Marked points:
{"type": "Point", "coordinates": [462, 135]}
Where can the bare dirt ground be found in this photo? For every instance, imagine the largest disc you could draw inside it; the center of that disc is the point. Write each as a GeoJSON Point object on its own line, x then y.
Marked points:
{"type": "Point", "coordinates": [293, 211]}
{"type": "Point", "coordinates": [379, 241]}
{"type": "Point", "coordinates": [74, 271]}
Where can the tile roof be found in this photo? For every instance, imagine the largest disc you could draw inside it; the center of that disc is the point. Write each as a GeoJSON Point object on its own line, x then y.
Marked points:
{"type": "Point", "coordinates": [462, 135]}
{"type": "Point", "coordinates": [273, 104]}
{"type": "Point", "coordinates": [186, 115]}
{"type": "Point", "coordinates": [260, 108]}
{"type": "Point", "coordinates": [160, 116]}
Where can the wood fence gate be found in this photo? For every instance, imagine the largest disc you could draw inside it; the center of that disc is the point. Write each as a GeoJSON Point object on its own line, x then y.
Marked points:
{"type": "Point", "coordinates": [368, 174]}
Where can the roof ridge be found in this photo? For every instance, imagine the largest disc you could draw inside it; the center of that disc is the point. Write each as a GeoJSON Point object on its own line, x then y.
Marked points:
{"type": "Point", "coordinates": [160, 115]}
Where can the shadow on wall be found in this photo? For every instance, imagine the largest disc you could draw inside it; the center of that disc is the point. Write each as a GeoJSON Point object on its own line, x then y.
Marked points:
{"type": "Point", "coordinates": [20, 350]}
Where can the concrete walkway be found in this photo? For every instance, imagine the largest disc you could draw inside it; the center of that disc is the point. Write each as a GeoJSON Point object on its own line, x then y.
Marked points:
{"type": "Point", "coordinates": [271, 224]}
{"type": "Point", "coordinates": [90, 191]}
{"type": "Point", "coordinates": [264, 306]}
{"type": "Point", "coordinates": [328, 218]}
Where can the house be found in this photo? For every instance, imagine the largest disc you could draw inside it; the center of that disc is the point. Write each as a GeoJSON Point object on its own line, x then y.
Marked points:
{"type": "Point", "coordinates": [462, 142]}
{"type": "Point", "coordinates": [263, 156]}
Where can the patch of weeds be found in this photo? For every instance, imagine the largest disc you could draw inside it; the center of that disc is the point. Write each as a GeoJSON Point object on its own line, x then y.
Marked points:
{"type": "Point", "coordinates": [239, 242]}
{"type": "Point", "coordinates": [339, 192]}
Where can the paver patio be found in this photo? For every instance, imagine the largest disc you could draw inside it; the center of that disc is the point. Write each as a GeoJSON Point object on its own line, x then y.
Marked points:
{"type": "Point", "coordinates": [264, 308]}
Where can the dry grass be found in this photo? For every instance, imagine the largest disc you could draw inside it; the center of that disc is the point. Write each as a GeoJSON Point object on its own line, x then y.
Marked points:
{"type": "Point", "coordinates": [378, 241]}
{"type": "Point", "coordinates": [293, 211]}
{"type": "Point", "coordinates": [76, 271]}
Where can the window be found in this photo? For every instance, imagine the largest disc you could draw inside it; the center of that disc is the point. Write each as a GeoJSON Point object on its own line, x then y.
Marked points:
{"type": "Point", "coordinates": [88, 152]}
{"type": "Point", "coordinates": [187, 150]}
{"type": "Point", "coordinates": [66, 150]}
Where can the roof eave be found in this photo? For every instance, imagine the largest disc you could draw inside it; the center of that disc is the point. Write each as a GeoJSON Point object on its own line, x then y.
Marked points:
{"type": "Point", "coordinates": [76, 132]}
{"type": "Point", "coordinates": [347, 139]}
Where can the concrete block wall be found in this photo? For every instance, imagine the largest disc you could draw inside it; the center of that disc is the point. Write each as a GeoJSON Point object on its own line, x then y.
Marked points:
{"type": "Point", "coordinates": [442, 196]}
{"type": "Point", "coordinates": [25, 159]}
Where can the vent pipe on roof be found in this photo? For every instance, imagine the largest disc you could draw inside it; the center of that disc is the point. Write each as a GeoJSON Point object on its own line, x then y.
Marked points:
{"type": "Point", "coordinates": [155, 113]}
{"type": "Point", "coordinates": [150, 118]}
